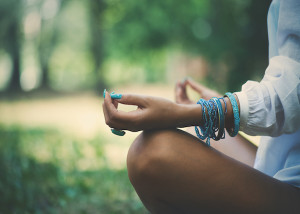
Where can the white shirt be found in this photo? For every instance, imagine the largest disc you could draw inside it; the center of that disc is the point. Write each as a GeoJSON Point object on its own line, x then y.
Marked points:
{"type": "Point", "coordinates": [271, 108]}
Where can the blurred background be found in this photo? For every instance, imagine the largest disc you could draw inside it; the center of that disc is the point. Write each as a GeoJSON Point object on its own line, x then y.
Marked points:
{"type": "Point", "coordinates": [56, 57]}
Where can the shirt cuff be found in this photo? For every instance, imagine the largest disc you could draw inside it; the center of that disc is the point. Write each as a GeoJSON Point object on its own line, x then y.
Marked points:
{"type": "Point", "coordinates": [244, 109]}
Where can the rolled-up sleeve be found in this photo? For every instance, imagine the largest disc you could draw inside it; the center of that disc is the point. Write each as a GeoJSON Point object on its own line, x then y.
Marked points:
{"type": "Point", "coordinates": [272, 107]}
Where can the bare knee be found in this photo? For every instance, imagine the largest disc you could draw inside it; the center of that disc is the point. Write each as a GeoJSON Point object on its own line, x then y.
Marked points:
{"type": "Point", "coordinates": [148, 161]}
{"type": "Point", "coordinates": [172, 171]}
{"type": "Point", "coordinates": [147, 153]}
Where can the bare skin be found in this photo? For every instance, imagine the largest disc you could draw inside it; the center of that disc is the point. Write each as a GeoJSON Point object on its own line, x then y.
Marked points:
{"type": "Point", "coordinates": [174, 172]}
{"type": "Point", "coordinates": [237, 147]}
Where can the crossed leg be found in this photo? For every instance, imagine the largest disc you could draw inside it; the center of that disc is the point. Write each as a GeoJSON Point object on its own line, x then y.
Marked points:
{"type": "Point", "coordinates": [174, 172]}
{"type": "Point", "coordinates": [238, 147]}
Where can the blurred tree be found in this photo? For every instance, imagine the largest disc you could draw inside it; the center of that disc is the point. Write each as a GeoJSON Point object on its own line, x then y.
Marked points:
{"type": "Point", "coordinates": [139, 30]}
{"type": "Point", "coordinates": [11, 12]}
{"type": "Point", "coordinates": [240, 37]}
{"type": "Point", "coordinates": [47, 38]}
{"type": "Point", "coordinates": [228, 31]}
{"type": "Point", "coordinates": [137, 27]}
{"type": "Point", "coordinates": [96, 10]}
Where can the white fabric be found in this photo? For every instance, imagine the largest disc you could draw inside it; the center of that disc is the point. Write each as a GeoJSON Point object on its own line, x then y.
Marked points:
{"type": "Point", "coordinates": [271, 108]}
{"type": "Point", "coordinates": [273, 104]}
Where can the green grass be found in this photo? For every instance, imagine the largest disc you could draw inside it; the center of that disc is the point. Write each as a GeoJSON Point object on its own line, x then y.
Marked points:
{"type": "Point", "coordinates": [45, 171]}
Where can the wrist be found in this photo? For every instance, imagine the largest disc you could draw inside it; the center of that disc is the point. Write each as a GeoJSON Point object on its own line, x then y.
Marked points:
{"type": "Point", "coordinates": [188, 115]}
{"type": "Point", "coordinates": [191, 114]}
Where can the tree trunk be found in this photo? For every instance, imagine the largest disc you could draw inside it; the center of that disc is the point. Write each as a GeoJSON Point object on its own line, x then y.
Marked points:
{"type": "Point", "coordinates": [45, 77]}
{"type": "Point", "coordinates": [96, 9]}
{"type": "Point", "coordinates": [15, 84]}
{"type": "Point", "coordinates": [14, 49]}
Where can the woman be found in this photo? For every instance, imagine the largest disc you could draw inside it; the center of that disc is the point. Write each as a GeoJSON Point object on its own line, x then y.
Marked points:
{"type": "Point", "coordinates": [174, 172]}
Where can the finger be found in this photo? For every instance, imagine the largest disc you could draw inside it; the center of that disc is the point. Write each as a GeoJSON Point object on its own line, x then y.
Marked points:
{"type": "Point", "coordinates": [106, 117]}
{"type": "Point", "coordinates": [123, 120]}
{"type": "Point", "coordinates": [204, 92]}
{"type": "Point", "coordinates": [133, 99]}
{"type": "Point", "coordinates": [178, 92]}
{"type": "Point", "coordinates": [177, 89]}
{"type": "Point", "coordinates": [110, 121]}
{"type": "Point", "coordinates": [184, 82]}
{"type": "Point", "coordinates": [115, 102]}
{"type": "Point", "coordinates": [196, 86]}
{"type": "Point", "coordinates": [108, 105]}
{"type": "Point", "coordinates": [183, 89]}
{"type": "Point", "coordinates": [115, 118]}
{"type": "Point", "coordinates": [112, 118]}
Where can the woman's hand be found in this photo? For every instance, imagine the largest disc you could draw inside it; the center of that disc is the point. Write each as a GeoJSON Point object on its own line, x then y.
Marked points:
{"type": "Point", "coordinates": [151, 113]}
{"type": "Point", "coordinates": [204, 92]}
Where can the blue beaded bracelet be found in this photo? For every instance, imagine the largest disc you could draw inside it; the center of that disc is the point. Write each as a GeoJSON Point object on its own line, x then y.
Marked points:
{"type": "Point", "coordinates": [214, 119]}
{"type": "Point", "coordinates": [221, 120]}
{"type": "Point", "coordinates": [210, 120]}
{"type": "Point", "coordinates": [203, 129]}
{"type": "Point", "coordinates": [222, 98]}
{"type": "Point", "coordinates": [234, 131]}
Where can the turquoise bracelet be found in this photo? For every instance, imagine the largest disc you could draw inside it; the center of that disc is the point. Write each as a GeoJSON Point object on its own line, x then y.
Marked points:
{"type": "Point", "coordinates": [204, 128]}
{"type": "Point", "coordinates": [221, 120]}
{"type": "Point", "coordinates": [233, 132]}
{"type": "Point", "coordinates": [210, 121]}
{"type": "Point", "coordinates": [222, 98]}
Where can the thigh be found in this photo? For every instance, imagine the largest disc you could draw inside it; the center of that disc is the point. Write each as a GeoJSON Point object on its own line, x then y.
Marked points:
{"type": "Point", "coordinates": [173, 170]}
{"type": "Point", "coordinates": [237, 147]}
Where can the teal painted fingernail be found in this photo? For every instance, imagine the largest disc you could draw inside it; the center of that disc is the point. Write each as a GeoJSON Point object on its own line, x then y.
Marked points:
{"type": "Point", "coordinates": [116, 96]}
{"type": "Point", "coordinates": [112, 93]}
{"type": "Point", "coordinates": [118, 132]}
{"type": "Point", "coordinates": [104, 92]}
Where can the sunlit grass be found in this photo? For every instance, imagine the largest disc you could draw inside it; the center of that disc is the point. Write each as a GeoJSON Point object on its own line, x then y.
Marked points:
{"type": "Point", "coordinates": [45, 171]}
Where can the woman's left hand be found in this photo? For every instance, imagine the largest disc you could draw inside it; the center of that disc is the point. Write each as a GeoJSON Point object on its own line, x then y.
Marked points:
{"type": "Point", "coordinates": [151, 113]}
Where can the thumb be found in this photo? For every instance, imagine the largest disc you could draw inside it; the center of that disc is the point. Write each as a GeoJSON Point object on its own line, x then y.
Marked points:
{"type": "Point", "coordinates": [132, 99]}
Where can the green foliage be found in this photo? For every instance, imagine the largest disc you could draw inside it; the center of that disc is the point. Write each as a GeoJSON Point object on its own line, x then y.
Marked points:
{"type": "Point", "coordinates": [41, 172]}
{"type": "Point", "coordinates": [25, 184]}
{"type": "Point", "coordinates": [231, 32]}
{"type": "Point", "coordinates": [135, 27]}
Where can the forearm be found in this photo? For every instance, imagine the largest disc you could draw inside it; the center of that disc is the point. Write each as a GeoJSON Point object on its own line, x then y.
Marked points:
{"type": "Point", "coordinates": [191, 114]}
{"type": "Point", "coordinates": [229, 145]}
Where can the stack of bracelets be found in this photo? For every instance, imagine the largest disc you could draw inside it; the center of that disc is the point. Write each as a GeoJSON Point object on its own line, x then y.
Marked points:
{"type": "Point", "coordinates": [213, 121]}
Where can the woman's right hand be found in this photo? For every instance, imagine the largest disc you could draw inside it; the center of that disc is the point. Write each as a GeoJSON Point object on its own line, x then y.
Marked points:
{"type": "Point", "coordinates": [181, 96]}
{"type": "Point", "coordinates": [151, 113]}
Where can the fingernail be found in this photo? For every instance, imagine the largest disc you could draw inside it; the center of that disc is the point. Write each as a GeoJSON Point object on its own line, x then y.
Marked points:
{"type": "Point", "coordinates": [104, 92]}
{"type": "Point", "coordinates": [118, 132]}
{"type": "Point", "coordinates": [185, 79]}
{"type": "Point", "coordinates": [116, 96]}
{"type": "Point", "coordinates": [112, 93]}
